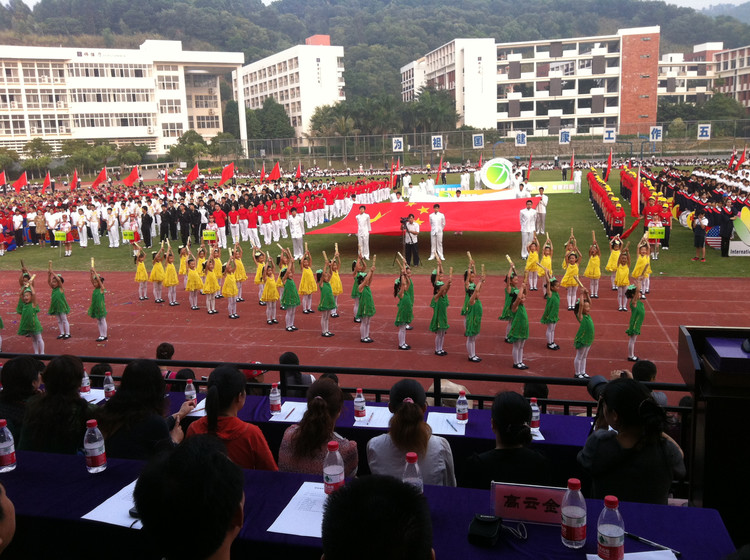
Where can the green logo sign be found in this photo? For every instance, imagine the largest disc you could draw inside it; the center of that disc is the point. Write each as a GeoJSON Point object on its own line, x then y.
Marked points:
{"type": "Point", "coordinates": [497, 173]}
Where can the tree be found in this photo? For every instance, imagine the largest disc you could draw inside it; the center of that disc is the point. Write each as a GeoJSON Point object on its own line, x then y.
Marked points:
{"type": "Point", "coordinates": [223, 146]}
{"type": "Point", "coordinates": [37, 148]}
{"type": "Point", "coordinates": [274, 122]}
{"type": "Point", "coordinates": [188, 148]}
{"type": "Point", "coordinates": [231, 119]}
{"type": "Point", "coordinates": [677, 128]}
{"type": "Point", "coordinates": [7, 158]}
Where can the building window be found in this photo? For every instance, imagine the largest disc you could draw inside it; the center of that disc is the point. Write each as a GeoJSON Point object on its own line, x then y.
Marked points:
{"type": "Point", "coordinates": [168, 82]}
{"type": "Point", "coordinates": [207, 121]}
{"type": "Point", "coordinates": [166, 68]}
{"type": "Point", "coordinates": [171, 130]}
{"type": "Point", "coordinates": [201, 81]}
{"type": "Point", "coordinates": [206, 102]}
{"type": "Point", "coordinates": [170, 106]}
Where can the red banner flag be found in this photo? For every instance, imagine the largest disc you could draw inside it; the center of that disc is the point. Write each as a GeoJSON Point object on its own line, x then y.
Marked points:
{"type": "Point", "coordinates": [298, 175]}
{"type": "Point", "coordinates": [130, 180]}
{"type": "Point", "coordinates": [166, 175]}
{"type": "Point", "coordinates": [609, 166]}
{"type": "Point", "coordinates": [227, 173]}
{"type": "Point", "coordinates": [732, 159]}
{"type": "Point", "coordinates": [20, 182]}
{"type": "Point", "coordinates": [74, 183]}
{"type": "Point", "coordinates": [572, 161]}
{"type": "Point", "coordinates": [440, 167]}
{"type": "Point", "coordinates": [101, 178]}
{"type": "Point", "coordinates": [741, 160]}
{"type": "Point", "coordinates": [263, 173]}
{"type": "Point", "coordinates": [398, 164]}
{"type": "Point", "coordinates": [528, 172]}
{"type": "Point", "coordinates": [480, 160]}
{"type": "Point", "coordinates": [47, 182]}
{"type": "Point", "coordinates": [3, 180]}
{"type": "Point", "coordinates": [275, 174]}
{"type": "Point", "coordinates": [635, 196]}
{"type": "Point", "coordinates": [390, 181]}
{"type": "Point", "coordinates": [193, 175]}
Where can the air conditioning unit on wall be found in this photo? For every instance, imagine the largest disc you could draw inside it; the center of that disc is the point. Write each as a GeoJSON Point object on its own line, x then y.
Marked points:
{"type": "Point", "coordinates": [150, 129]}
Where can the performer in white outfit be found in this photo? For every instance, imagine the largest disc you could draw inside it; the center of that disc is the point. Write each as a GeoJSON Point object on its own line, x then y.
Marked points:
{"type": "Point", "coordinates": [527, 218]}
{"type": "Point", "coordinates": [541, 211]}
{"type": "Point", "coordinates": [577, 176]}
{"type": "Point", "coordinates": [437, 226]}
{"type": "Point", "coordinates": [363, 232]}
{"type": "Point", "coordinates": [297, 232]}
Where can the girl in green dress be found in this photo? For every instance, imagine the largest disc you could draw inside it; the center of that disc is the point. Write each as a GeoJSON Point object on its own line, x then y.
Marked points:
{"type": "Point", "coordinates": [469, 280]}
{"type": "Point", "coordinates": [327, 302]}
{"type": "Point", "coordinates": [473, 319]}
{"type": "Point", "coordinates": [366, 308]}
{"type": "Point", "coordinates": [439, 323]}
{"type": "Point", "coordinates": [290, 297]}
{"type": "Point", "coordinates": [637, 314]}
{"type": "Point", "coordinates": [358, 272]}
{"type": "Point", "coordinates": [58, 305]}
{"type": "Point", "coordinates": [552, 308]}
{"type": "Point", "coordinates": [519, 327]}
{"type": "Point", "coordinates": [585, 335]}
{"type": "Point", "coordinates": [511, 287]}
{"type": "Point", "coordinates": [97, 310]}
{"type": "Point", "coordinates": [405, 306]}
{"type": "Point", "coordinates": [29, 324]}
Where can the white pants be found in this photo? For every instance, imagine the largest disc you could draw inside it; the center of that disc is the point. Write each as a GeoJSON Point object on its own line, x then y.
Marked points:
{"type": "Point", "coordinates": [114, 237]}
{"type": "Point", "coordinates": [526, 238]}
{"type": "Point", "coordinates": [235, 230]}
{"type": "Point", "coordinates": [436, 245]}
{"type": "Point", "coordinates": [252, 234]}
{"type": "Point", "coordinates": [243, 230]}
{"type": "Point", "coordinates": [298, 247]}
{"type": "Point", "coordinates": [541, 218]}
{"type": "Point", "coordinates": [363, 240]}
{"type": "Point", "coordinates": [221, 237]}
{"type": "Point", "coordinates": [83, 237]}
{"type": "Point", "coordinates": [95, 232]}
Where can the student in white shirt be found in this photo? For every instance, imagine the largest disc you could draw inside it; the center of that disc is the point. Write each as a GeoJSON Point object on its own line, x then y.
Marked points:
{"type": "Point", "coordinates": [541, 211]}
{"type": "Point", "coordinates": [363, 232]}
{"type": "Point", "coordinates": [437, 226]}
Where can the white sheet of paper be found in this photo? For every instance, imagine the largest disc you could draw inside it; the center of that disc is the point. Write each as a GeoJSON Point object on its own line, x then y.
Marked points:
{"type": "Point", "coordinates": [444, 423]}
{"type": "Point", "coordinates": [116, 510]}
{"type": "Point", "coordinates": [93, 396]}
{"type": "Point", "coordinates": [536, 434]}
{"type": "Point", "coordinates": [303, 515]}
{"type": "Point", "coordinates": [199, 410]}
{"type": "Point", "coordinates": [290, 412]}
{"type": "Point", "coordinates": [650, 555]}
{"type": "Point", "coordinates": [375, 417]}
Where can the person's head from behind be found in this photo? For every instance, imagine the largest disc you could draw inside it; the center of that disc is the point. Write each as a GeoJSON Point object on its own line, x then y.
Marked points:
{"type": "Point", "coordinates": [628, 407]}
{"type": "Point", "coordinates": [395, 512]}
{"type": "Point", "coordinates": [290, 359]}
{"type": "Point", "coordinates": [164, 351]}
{"type": "Point", "coordinates": [511, 418]}
{"type": "Point", "coordinates": [408, 430]}
{"type": "Point", "coordinates": [226, 394]}
{"type": "Point", "coordinates": [198, 477]}
{"type": "Point", "coordinates": [141, 389]}
{"type": "Point", "coordinates": [20, 379]}
{"type": "Point", "coordinates": [7, 519]}
{"type": "Point", "coordinates": [324, 402]}
{"type": "Point", "coordinates": [644, 370]}
{"type": "Point", "coordinates": [538, 390]}
{"type": "Point", "coordinates": [63, 376]}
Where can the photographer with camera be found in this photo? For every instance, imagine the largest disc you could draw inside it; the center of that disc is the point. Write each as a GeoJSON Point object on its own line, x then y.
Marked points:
{"type": "Point", "coordinates": [411, 233]}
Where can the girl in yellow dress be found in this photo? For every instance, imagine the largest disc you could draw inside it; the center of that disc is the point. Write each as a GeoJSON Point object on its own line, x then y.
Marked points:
{"type": "Point", "coordinates": [259, 258]}
{"type": "Point", "coordinates": [532, 264]}
{"type": "Point", "coordinates": [216, 253]}
{"type": "Point", "coordinates": [593, 268]}
{"type": "Point", "coordinates": [615, 247]}
{"type": "Point", "coordinates": [141, 276]}
{"type": "Point", "coordinates": [642, 268]}
{"type": "Point", "coordinates": [157, 274]}
{"type": "Point", "coordinates": [170, 277]}
{"type": "Point", "coordinates": [307, 285]}
{"type": "Point", "coordinates": [283, 261]}
{"type": "Point", "coordinates": [336, 285]}
{"type": "Point", "coordinates": [546, 261]}
{"type": "Point", "coordinates": [211, 285]}
{"type": "Point", "coordinates": [270, 294]}
{"type": "Point", "coordinates": [194, 283]}
{"type": "Point", "coordinates": [569, 279]}
{"type": "Point", "coordinates": [201, 261]}
{"type": "Point", "coordinates": [183, 262]}
{"type": "Point", "coordinates": [229, 290]}
{"type": "Point", "coordinates": [622, 279]}
{"type": "Point", "coordinates": [240, 275]}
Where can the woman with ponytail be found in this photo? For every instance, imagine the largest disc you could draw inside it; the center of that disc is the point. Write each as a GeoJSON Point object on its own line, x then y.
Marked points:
{"type": "Point", "coordinates": [245, 443]}
{"type": "Point", "coordinates": [386, 454]}
{"type": "Point", "coordinates": [635, 460]}
{"type": "Point", "coordinates": [511, 460]}
{"type": "Point", "coordinates": [304, 446]}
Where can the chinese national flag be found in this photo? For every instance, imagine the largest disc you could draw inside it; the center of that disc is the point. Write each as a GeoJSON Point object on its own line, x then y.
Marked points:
{"type": "Point", "coordinates": [440, 167]}
{"type": "Point", "coordinates": [528, 173]}
{"type": "Point", "coordinates": [263, 173]}
{"type": "Point", "coordinates": [74, 183]}
{"type": "Point", "coordinates": [166, 175]}
{"type": "Point", "coordinates": [3, 180]}
{"type": "Point", "coordinates": [298, 175]}
{"type": "Point", "coordinates": [47, 183]}
{"type": "Point", "coordinates": [20, 182]}
{"type": "Point", "coordinates": [741, 160]}
{"type": "Point", "coordinates": [193, 175]}
{"type": "Point", "coordinates": [132, 178]}
{"type": "Point", "coordinates": [609, 166]}
{"type": "Point", "coordinates": [101, 178]}
{"type": "Point", "coordinates": [275, 174]}
{"type": "Point", "coordinates": [227, 173]}
{"type": "Point", "coordinates": [732, 159]}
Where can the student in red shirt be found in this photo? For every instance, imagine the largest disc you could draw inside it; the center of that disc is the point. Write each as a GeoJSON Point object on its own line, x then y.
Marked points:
{"type": "Point", "coordinates": [234, 224]}
{"type": "Point", "coordinates": [244, 219]}
{"type": "Point", "coordinates": [220, 218]}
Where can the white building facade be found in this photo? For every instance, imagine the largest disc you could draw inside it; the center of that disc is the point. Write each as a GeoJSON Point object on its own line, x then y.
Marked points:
{"type": "Point", "coordinates": [151, 95]}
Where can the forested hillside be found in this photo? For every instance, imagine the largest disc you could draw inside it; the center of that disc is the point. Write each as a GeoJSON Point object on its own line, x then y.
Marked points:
{"type": "Point", "coordinates": [379, 35]}
{"type": "Point", "coordinates": [741, 11]}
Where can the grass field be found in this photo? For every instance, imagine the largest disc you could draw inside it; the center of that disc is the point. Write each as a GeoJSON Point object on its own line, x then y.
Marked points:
{"type": "Point", "coordinates": [564, 211]}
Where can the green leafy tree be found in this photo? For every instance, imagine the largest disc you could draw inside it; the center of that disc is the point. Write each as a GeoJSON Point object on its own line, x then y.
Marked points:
{"type": "Point", "coordinates": [224, 146]}
{"type": "Point", "coordinates": [37, 147]}
{"type": "Point", "coordinates": [188, 148]}
{"type": "Point", "coordinates": [677, 128]}
{"type": "Point", "coordinates": [7, 158]}
{"type": "Point", "coordinates": [231, 119]}
{"type": "Point", "coordinates": [274, 122]}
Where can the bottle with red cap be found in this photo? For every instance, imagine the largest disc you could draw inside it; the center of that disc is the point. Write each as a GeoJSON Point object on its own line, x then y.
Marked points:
{"type": "Point", "coordinates": [573, 516]}
{"type": "Point", "coordinates": [360, 406]}
{"type": "Point", "coordinates": [7, 448]}
{"type": "Point", "coordinates": [333, 468]}
{"type": "Point", "coordinates": [85, 383]}
{"type": "Point", "coordinates": [190, 392]}
{"type": "Point", "coordinates": [535, 414]}
{"type": "Point", "coordinates": [109, 386]}
{"type": "Point", "coordinates": [93, 447]}
{"type": "Point", "coordinates": [462, 408]}
{"type": "Point", "coordinates": [610, 530]}
{"type": "Point", "coordinates": [275, 399]}
{"type": "Point", "coordinates": [412, 474]}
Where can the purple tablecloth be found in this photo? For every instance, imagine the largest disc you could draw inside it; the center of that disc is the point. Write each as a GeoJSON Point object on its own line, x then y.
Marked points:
{"type": "Point", "coordinates": [52, 492]}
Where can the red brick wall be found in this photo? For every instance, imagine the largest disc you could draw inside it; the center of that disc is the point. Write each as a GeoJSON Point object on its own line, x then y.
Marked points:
{"type": "Point", "coordinates": [639, 70]}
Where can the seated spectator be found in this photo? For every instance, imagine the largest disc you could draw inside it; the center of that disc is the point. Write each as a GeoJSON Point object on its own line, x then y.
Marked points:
{"type": "Point", "coordinates": [635, 461]}
{"type": "Point", "coordinates": [184, 374]}
{"type": "Point", "coordinates": [7, 519]}
{"type": "Point", "coordinates": [304, 446]}
{"type": "Point", "coordinates": [448, 387]}
{"type": "Point", "coordinates": [645, 371]}
{"type": "Point", "coordinates": [335, 378]}
{"type": "Point", "coordinates": [536, 390]}
{"type": "Point", "coordinates": [195, 477]}
{"type": "Point", "coordinates": [164, 351]}
{"type": "Point", "coordinates": [510, 461]}
{"type": "Point", "coordinates": [378, 517]}
{"type": "Point", "coordinates": [97, 374]}
{"type": "Point", "coordinates": [133, 422]}
{"type": "Point", "coordinates": [245, 443]}
{"type": "Point", "coordinates": [291, 377]}
{"type": "Point", "coordinates": [257, 377]}
{"type": "Point", "coordinates": [21, 380]}
{"type": "Point", "coordinates": [55, 420]}
{"type": "Point", "coordinates": [386, 453]}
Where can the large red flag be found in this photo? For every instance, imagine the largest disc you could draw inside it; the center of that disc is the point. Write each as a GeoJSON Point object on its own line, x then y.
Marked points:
{"type": "Point", "coordinates": [741, 160]}
{"type": "Point", "coordinates": [440, 167]}
{"type": "Point", "coordinates": [635, 196]}
{"type": "Point", "coordinates": [20, 182]}
{"type": "Point", "coordinates": [74, 182]}
{"type": "Point", "coordinates": [298, 175]}
{"type": "Point", "coordinates": [101, 178]}
{"type": "Point", "coordinates": [263, 173]}
{"type": "Point", "coordinates": [47, 183]}
{"type": "Point", "coordinates": [390, 181]}
{"type": "Point", "coordinates": [166, 175]}
{"type": "Point", "coordinates": [732, 159]}
{"type": "Point", "coordinates": [275, 174]}
{"type": "Point", "coordinates": [193, 175]}
{"type": "Point", "coordinates": [227, 173]}
{"type": "Point", "coordinates": [480, 160]}
{"type": "Point", "coordinates": [572, 161]}
{"type": "Point", "coordinates": [528, 173]}
{"type": "Point", "coordinates": [609, 166]}
{"type": "Point", "coordinates": [132, 178]}
{"type": "Point", "coordinates": [3, 180]}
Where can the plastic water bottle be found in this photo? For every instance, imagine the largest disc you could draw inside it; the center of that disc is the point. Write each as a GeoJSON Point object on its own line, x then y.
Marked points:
{"type": "Point", "coordinates": [109, 386]}
{"type": "Point", "coordinates": [190, 391]}
{"type": "Point", "coordinates": [462, 408]}
{"type": "Point", "coordinates": [574, 516]}
{"type": "Point", "coordinates": [93, 447]}
{"type": "Point", "coordinates": [7, 448]}
{"type": "Point", "coordinates": [360, 408]}
{"type": "Point", "coordinates": [85, 383]}
{"type": "Point", "coordinates": [610, 531]}
{"type": "Point", "coordinates": [535, 414]}
{"type": "Point", "coordinates": [333, 468]}
{"type": "Point", "coordinates": [275, 400]}
{"type": "Point", "coordinates": [412, 474]}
